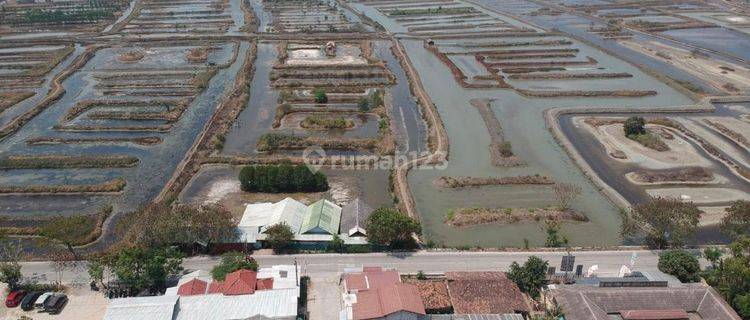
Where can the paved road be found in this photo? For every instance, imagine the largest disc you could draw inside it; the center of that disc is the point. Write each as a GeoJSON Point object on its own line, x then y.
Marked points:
{"type": "Point", "coordinates": [327, 266]}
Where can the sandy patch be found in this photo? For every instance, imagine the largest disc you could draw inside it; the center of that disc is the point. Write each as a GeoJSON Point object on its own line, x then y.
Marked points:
{"type": "Point", "coordinates": [716, 179]}
{"type": "Point", "coordinates": [713, 138]}
{"type": "Point", "coordinates": [680, 154]}
{"type": "Point", "coordinates": [701, 195]}
{"type": "Point", "coordinates": [345, 55]}
{"type": "Point", "coordinates": [711, 215]}
{"type": "Point", "coordinates": [736, 127]}
{"type": "Point", "coordinates": [220, 189]}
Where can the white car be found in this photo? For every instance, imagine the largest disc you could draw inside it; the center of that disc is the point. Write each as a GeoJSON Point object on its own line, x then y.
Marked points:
{"type": "Point", "coordinates": [39, 303]}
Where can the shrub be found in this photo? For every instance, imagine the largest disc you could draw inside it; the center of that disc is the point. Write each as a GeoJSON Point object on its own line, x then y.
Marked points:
{"type": "Point", "coordinates": [281, 179]}
{"type": "Point", "coordinates": [506, 149]}
{"type": "Point", "coordinates": [231, 262]}
{"type": "Point", "coordinates": [390, 227]}
{"type": "Point", "coordinates": [680, 264]}
{"type": "Point", "coordinates": [320, 96]}
{"type": "Point", "coordinates": [363, 105]}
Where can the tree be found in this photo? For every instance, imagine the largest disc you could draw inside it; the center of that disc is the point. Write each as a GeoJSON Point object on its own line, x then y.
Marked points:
{"type": "Point", "coordinates": [231, 262]}
{"type": "Point", "coordinates": [279, 236]}
{"type": "Point", "coordinates": [281, 178]}
{"type": "Point", "coordinates": [531, 276]}
{"type": "Point", "coordinates": [736, 222]}
{"type": "Point", "coordinates": [731, 278]}
{"type": "Point", "coordinates": [634, 126]}
{"type": "Point", "coordinates": [66, 230]}
{"type": "Point", "coordinates": [337, 245]}
{"type": "Point", "coordinates": [320, 96]}
{"type": "Point", "coordinates": [666, 222]}
{"type": "Point", "coordinates": [159, 225]}
{"type": "Point", "coordinates": [565, 193]}
{"type": "Point", "coordinates": [390, 227]}
{"type": "Point", "coordinates": [554, 239]}
{"type": "Point", "coordinates": [139, 268]}
{"type": "Point", "coordinates": [96, 271]}
{"type": "Point", "coordinates": [10, 274]}
{"type": "Point", "coordinates": [680, 264]}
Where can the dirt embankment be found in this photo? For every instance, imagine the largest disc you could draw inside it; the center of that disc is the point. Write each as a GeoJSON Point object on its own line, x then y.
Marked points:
{"type": "Point", "coordinates": [144, 141]}
{"type": "Point", "coordinates": [468, 217]}
{"type": "Point", "coordinates": [115, 185]}
{"type": "Point", "coordinates": [214, 130]}
{"type": "Point", "coordinates": [62, 162]}
{"type": "Point", "coordinates": [536, 76]}
{"type": "Point", "coordinates": [467, 182]}
{"type": "Point", "coordinates": [198, 55]}
{"type": "Point", "coordinates": [501, 152]}
{"type": "Point", "coordinates": [459, 76]}
{"type": "Point", "coordinates": [585, 93]}
{"type": "Point", "coordinates": [736, 136]}
{"type": "Point", "coordinates": [131, 56]}
{"type": "Point", "coordinates": [688, 175]}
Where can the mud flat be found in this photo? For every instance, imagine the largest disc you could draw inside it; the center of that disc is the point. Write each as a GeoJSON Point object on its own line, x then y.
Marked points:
{"type": "Point", "coordinates": [724, 76]}
{"type": "Point", "coordinates": [701, 195]}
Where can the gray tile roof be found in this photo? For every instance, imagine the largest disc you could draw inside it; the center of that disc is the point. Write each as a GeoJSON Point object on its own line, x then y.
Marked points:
{"type": "Point", "coordinates": [354, 215]}
{"type": "Point", "coordinates": [594, 303]}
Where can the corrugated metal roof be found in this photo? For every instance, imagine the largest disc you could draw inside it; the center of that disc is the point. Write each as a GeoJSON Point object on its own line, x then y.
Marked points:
{"type": "Point", "coordinates": [137, 308]}
{"type": "Point", "coordinates": [353, 217]}
{"type": "Point", "coordinates": [322, 216]}
{"type": "Point", "coordinates": [281, 303]}
{"type": "Point", "coordinates": [264, 215]}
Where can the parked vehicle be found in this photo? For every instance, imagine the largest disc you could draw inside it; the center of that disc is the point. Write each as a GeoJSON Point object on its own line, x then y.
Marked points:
{"type": "Point", "coordinates": [55, 303]}
{"type": "Point", "coordinates": [39, 304]}
{"type": "Point", "coordinates": [27, 303]}
{"type": "Point", "coordinates": [14, 298]}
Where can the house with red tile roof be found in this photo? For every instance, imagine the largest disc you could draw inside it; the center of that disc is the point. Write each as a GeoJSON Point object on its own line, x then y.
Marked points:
{"type": "Point", "coordinates": [377, 293]}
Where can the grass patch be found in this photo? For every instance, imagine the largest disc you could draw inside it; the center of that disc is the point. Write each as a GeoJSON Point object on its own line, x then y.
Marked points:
{"type": "Point", "coordinates": [650, 141]}
{"type": "Point", "coordinates": [115, 185]}
{"type": "Point", "coordinates": [318, 122]}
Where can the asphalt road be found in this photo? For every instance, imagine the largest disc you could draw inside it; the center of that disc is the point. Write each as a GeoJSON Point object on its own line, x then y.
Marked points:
{"type": "Point", "coordinates": [331, 265]}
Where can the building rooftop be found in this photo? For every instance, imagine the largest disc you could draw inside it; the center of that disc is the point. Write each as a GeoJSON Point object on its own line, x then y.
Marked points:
{"type": "Point", "coordinates": [353, 217]}
{"type": "Point", "coordinates": [597, 303]}
{"type": "Point", "coordinates": [485, 293]}
{"type": "Point", "coordinates": [137, 308]}
{"type": "Point", "coordinates": [376, 293]}
{"type": "Point", "coordinates": [322, 217]}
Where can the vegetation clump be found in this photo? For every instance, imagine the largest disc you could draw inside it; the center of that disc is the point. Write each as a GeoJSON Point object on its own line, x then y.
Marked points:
{"type": "Point", "coordinates": [680, 264]}
{"type": "Point", "coordinates": [67, 162]}
{"type": "Point", "coordinates": [279, 237]}
{"type": "Point", "coordinates": [282, 179]}
{"type": "Point", "coordinates": [231, 262]}
{"type": "Point", "coordinates": [531, 276]}
{"type": "Point", "coordinates": [320, 96]}
{"type": "Point", "coordinates": [317, 122]}
{"type": "Point", "coordinates": [390, 227]}
{"type": "Point", "coordinates": [635, 129]}
{"type": "Point", "coordinates": [663, 222]}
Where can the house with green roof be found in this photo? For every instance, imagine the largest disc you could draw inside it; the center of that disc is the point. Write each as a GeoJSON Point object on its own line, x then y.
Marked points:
{"type": "Point", "coordinates": [322, 217]}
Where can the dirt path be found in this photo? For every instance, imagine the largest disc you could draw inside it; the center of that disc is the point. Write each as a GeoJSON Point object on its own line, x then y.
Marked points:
{"type": "Point", "coordinates": [438, 137]}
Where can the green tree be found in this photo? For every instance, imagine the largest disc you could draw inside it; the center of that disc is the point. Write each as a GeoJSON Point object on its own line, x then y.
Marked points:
{"type": "Point", "coordinates": [279, 236]}
{"type": "Point", "coordinates": [736, 222]}
{"type": "Point", "coordinates": [139, 268]}
{"type": "Point", "coordinates": [376, 98]}
{"type": "Point", "coordinates": [680, 264]}
{"type": "Point", "coordinates": [281, 178]}
{"type": "Point", "coordinates": [665, 222]}
{"type": "Point", "coordinates": [336, 245]}
{"type": "Point", "coordinates": [712, 254]}
{"type": "Point", "coordinates": [390, 227]}
{"type": "Point", "coordinates": [554, 239]}
{"type": "Point", "coordinates": [531, 276]}
{"type": "Point", "coordinates": [320, 96]}
{"type": "Point", "coordinates": [159, 225]}
{"type": "Point", "coordinates": [96, 271]}
{"type": "Point", "coordinates": [10, 274]}
{"type": "Point", "coordinates": [67, 231]}
{"type": "Point", "coordinates": [634, 126]}
{"type": "Point", "coordinates": [231, 262]}
{"type": "Point", "coordinates": [731, 277]}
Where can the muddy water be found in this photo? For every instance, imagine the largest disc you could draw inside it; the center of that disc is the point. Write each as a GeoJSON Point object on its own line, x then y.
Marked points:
{"type": "Point", "coordinates": [11, 113]}
{"type": "Point", "coordinates": [724, 40]}
{"type": "Point", "coordinates": [143, 182]}
{"type": "Point", "coordinates": [523, 124]}
{"type": "Point", "coordinates": [524, 127]}
{"type": "Point", "coordinates": [412, 129]}
{"type": "Point", "coordinates": [258, 115]}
